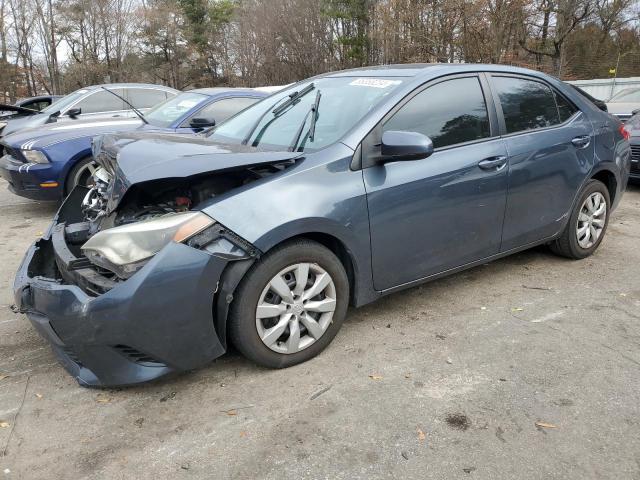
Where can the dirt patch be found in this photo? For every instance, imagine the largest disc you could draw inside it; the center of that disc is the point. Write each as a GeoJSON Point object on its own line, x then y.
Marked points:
{"type": "Point", "coordinates": [459, 421]}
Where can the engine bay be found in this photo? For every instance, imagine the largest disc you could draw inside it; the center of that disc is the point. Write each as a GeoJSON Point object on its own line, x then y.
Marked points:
{"type": "Point", "coordinates": [157, 198]}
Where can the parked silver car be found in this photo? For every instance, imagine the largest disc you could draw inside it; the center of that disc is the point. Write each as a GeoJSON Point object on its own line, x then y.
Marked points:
{"type": "Point", "coordinates": [94, 103]}
{"type": "Point", "coordinates": [624, 103]}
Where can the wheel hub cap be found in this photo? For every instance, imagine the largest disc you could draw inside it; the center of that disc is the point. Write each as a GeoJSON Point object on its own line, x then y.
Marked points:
{"type": "Point", "coordinates": [591, 220]}
{"type": "Point", "coordinates": [296, 308]}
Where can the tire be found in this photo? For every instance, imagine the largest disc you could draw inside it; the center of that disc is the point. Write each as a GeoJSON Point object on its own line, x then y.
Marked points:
{"type": "Point", "coordinates": [245, 328]}
{"type": "Point", "coordinates": [78, 172]}
{"type": "Point", "coordinates": [567, 244]}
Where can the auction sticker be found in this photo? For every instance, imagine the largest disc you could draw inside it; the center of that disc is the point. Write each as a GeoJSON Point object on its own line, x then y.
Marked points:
{"type": "Point", "coordinates": [374, 82]}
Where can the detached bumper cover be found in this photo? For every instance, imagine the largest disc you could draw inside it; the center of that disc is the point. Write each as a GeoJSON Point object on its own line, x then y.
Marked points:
{"type": "Point", "coordinates": [159, 321]}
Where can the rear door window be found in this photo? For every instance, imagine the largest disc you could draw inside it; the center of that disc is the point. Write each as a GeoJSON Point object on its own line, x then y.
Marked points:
{"type": "Point", "coordinates": [526, 104]}
{"type": "Point", "coordinates": [223, 109]}
{"type": "Point", "coordinates": [101, 101]}
{"type": "Point", "coordinates": [450, 112]}
{"type": "Point", "coordinates": [145, 97]}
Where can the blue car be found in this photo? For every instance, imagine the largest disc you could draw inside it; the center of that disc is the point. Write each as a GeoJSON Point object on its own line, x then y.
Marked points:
{"type": "Point", "coordinates": [337, 191]}
{"type": "Point", "coordinates": [48, 162]}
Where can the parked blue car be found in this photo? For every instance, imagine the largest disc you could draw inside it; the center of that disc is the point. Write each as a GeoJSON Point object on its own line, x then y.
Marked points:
{"type": "Point", "coordinates": [48, 162]}
{"type": "Point", "coordinates": [338, 190]}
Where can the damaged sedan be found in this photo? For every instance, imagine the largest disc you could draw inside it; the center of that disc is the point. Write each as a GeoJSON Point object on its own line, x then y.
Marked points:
{"type": "Point", "coordinates": [334, 192]}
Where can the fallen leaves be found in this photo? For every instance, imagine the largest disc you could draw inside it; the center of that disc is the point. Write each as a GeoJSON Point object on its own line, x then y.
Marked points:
{"type": "Point", "coordinates": [232, 412]}
{"type": "Point", "coordinates": [545, 425]}
{"type": "Point", "coordinates": [421, 435]}
{"type": "Point", "coordinates": [4, 424]}
{"type": "Point", "coordinates": [168, 396]}
{"type": "Point", "coordinates": [517, 309]}
{"type": "Point", "coordinates": [38, 395]}
{"type": "Point", "coordinates": [103, 398]}
{"type": "Point", "coordinates": [375, 376]}
{"type": "Point", "coordinates": [3, 376]}
{"type": "Point", "coordinates": [320, 392]}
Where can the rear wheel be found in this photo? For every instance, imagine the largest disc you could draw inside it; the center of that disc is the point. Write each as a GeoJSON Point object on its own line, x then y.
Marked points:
{"type": "Point", "coordinates": [290, 305]}
{"type": "Point", "coordinates": [81, 174]}
{"type": "Point", "coordinates": [588, 223]}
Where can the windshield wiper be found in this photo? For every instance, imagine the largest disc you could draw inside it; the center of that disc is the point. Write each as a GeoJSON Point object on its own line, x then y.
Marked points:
{"type": "Point", "coordinates": [135, 110]}
{"type": "Point", "coordinates": [313, 111]}
{"type": "Point", "coordinates": [290, 100]}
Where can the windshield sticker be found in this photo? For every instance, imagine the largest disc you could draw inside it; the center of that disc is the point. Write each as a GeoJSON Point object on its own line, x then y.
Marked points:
{"type": "Point", "coordinates": [374, 82]}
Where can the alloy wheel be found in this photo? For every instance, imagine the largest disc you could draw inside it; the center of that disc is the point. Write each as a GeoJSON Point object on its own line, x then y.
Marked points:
{"type": "Point", "coordinates": [84, 175]}
{"type": "Point", "coordinates": [296, 308]}
{"type": "Point", "coordinates": [591, 220]}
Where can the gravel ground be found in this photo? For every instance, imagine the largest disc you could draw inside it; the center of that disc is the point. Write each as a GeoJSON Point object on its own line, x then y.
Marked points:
{"type": "Point", "coordinates": [524, 368]}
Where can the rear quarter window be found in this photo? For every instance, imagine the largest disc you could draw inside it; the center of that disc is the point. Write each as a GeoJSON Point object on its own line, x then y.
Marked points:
{"type": "Point", "coordinates": [566, 109]}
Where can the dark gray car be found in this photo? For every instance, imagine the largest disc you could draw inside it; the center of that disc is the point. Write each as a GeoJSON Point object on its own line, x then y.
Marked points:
{"type": "Point", "coordinates": [336, 191]}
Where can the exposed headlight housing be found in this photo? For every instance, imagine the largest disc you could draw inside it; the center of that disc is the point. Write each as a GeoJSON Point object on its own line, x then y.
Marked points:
{"type": "Point", "coordinates": [125, 249]}
{"type": "Point", "coordinates": [35, 156]}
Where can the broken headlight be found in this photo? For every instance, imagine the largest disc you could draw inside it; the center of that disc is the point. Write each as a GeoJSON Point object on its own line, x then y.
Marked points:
{"type": "Point", "coordinates": [125, 249]}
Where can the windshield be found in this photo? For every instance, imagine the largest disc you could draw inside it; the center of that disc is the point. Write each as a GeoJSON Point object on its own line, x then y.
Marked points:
{"type": "Point", "coordinates": [164, 114]}
{"type": "Point", "coordinates": [279, 123]}
{"type": "Point", "coordinates": [65, 101]}
{"type": "Point", "coordinates": [626, 95]}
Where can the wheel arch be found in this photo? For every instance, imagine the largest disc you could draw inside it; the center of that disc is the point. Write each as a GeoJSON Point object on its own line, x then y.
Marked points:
{"type": "Point", "coordinates": [71, 164]}
{"type": "Point", "coordinates": [338, 248]}
{"type": "Point", "coordinates": [607, 177]}
{"type": "Point", "coordinates": [350, 243]}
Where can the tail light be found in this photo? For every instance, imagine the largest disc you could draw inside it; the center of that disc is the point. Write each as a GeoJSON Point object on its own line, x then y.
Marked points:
{"type": "Point", "coordinates": [624, 132]}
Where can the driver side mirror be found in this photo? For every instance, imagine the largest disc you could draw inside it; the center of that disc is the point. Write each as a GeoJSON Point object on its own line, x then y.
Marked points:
{"type": "Point", "coordinates": [202, 122]}
{"type": "Point", "coordinates": [400, 145]}
{"type": "Point", "coordinates": [74, 112]}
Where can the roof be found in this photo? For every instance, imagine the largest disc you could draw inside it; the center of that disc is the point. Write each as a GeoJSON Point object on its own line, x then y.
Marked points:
{"type": "Point", "coordinates": [129, 85]}
{"type": "Point", "coordinates": [219, 90]}
{"type": "Point", "coordinates": [425, 69]}
{"type": "Point", "coordinates": [394, 70]}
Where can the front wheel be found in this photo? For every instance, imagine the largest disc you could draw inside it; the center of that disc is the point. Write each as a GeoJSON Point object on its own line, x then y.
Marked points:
{"type": "Point", "coordinates": [290, 305]}
{"type": "Point", "coordinates": [588, 223]}
{"type": "Point", "coordinates": [81, 174]}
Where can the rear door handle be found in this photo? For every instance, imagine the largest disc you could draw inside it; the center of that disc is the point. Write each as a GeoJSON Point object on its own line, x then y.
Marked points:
{"type": "Point", "coordinates": [582, 141]}
{"type": "Point", "coordinates": [493, 163]}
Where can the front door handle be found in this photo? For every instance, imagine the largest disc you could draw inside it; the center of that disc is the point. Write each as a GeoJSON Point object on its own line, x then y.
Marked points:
{"type": "Point", "coordinates": [493, 163]}
{"type": "Point", "coordinates": [582, 141]}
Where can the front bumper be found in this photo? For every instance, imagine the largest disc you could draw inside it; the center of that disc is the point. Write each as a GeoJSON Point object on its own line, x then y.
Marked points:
{"type": "Point", "coordinates": [161, 320]}
{"type": "Point", "coordinates": [24, 179]}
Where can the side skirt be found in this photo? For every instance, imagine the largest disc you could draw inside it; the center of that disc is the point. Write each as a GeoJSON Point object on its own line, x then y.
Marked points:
{"type": "Point", "coordinates": [466, 266]}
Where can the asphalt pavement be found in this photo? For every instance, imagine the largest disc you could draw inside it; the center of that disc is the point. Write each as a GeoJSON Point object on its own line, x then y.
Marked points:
{"type": "Point", "coordinates": [525, 368]}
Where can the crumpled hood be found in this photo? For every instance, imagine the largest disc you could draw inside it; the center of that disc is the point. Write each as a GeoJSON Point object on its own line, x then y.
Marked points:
{"type": "Point", "coordinates": [52, 133]}
{"type": "Point", "coordinates": [11, 110]}
{"type": "Point", "coordinates": [138, 157]}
